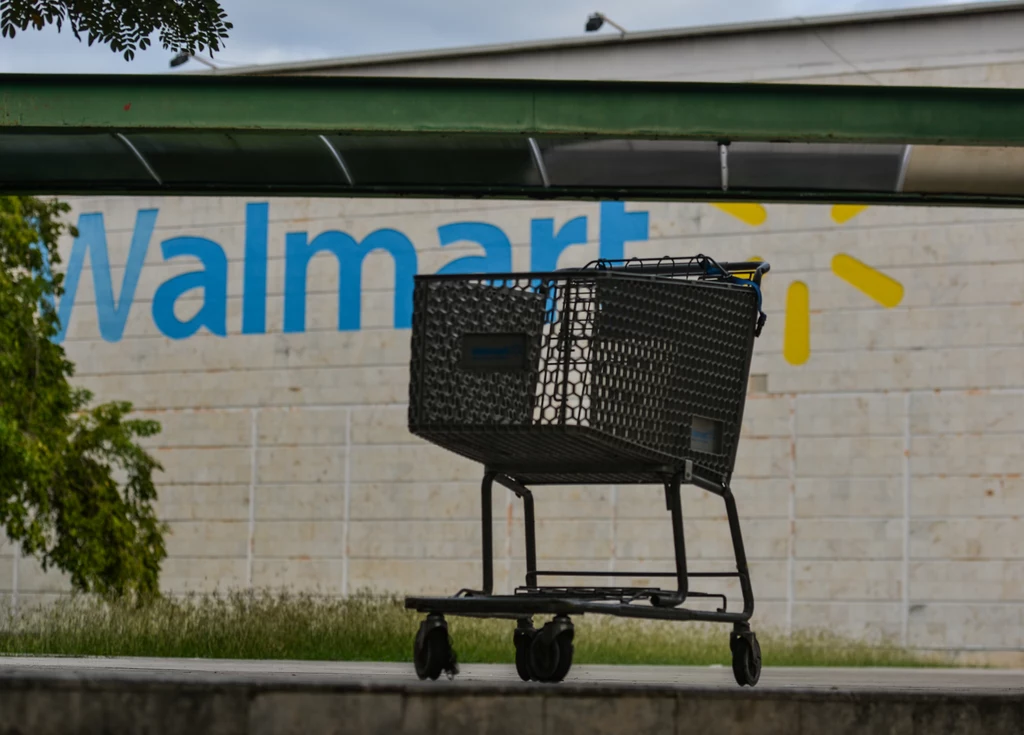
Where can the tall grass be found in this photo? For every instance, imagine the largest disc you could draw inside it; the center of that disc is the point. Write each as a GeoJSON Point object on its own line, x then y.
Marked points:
{"type": "Point", "coordinates": [279, 625]}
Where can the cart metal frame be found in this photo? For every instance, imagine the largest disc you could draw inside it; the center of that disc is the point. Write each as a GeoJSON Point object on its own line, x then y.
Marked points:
{"type": "Point", "coordinates": [536, 599]}
{"type": "Point", "coordinates": [433, 649]}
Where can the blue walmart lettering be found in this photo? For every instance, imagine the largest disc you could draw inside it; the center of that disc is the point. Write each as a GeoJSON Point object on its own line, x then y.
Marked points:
{"type": "Point", "coordinates": [213, 279]}
{"type": "Point", "coordinates": [616, 228]}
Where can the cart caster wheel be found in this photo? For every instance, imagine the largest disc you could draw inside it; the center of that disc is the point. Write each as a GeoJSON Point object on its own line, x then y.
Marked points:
{"type": "Point", "coordinates": [551, 651]}
{"type": "Point", "coordinates": [746, 657]}
{"type": "Point", "coordinates": [523, 638]}
{"type": "Point", "coordinates": [432, 650]}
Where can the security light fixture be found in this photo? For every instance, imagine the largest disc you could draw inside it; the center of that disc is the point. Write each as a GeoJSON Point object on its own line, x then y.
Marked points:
{"type": "Point", "coordinates": [597, 20]}
{"type": "Point", "coordinates": [184, 57]}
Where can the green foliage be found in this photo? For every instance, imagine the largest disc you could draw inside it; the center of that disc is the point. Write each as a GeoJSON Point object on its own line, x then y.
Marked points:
{"type": "Point", "coordinates": [188, 26]}
{"type": "Point", "coordinates": [60, 460]}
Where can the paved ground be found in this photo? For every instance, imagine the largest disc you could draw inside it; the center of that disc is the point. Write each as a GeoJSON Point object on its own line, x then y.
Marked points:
{"type": "Point", "coordinates": [946, 680]}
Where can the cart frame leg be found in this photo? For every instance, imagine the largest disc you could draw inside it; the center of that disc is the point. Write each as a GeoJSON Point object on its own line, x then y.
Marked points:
{"type": "Point", "coordinates": [524, 494]}
{"type": "Point", "coordinates": [736, 534]}
{"type": "Point", "coordinates": [487, 529]}
{"type": "Point", "coordinates": [741, 556]}
{"type": "Point", "coordinates": [675, 502]}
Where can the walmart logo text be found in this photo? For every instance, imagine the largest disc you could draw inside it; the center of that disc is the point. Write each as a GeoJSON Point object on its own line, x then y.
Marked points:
{"type": "Point", "coordinates": [616, 227]}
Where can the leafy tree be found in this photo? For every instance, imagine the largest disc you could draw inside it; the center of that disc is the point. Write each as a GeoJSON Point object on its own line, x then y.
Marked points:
{"type": "Point", "coordinates": [76, 490]}
{"type": "Point", "coordinates": [188, 26]}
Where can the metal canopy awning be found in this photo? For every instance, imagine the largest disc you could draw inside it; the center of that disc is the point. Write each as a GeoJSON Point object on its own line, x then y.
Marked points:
{"type": "Point", "coordinates": [345, 136]}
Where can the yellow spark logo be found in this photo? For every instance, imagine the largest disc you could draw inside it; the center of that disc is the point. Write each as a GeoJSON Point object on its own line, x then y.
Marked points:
{"type": "Point", "coordinates": [796, 333]}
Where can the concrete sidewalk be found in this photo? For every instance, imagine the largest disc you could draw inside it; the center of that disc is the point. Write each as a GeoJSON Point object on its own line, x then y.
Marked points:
{"type": "Point", "coordinates": [176, 696]}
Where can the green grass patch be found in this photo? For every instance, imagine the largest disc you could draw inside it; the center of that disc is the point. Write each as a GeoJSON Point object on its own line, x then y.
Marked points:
{"type": "Point", "coordinates": [276, 625]}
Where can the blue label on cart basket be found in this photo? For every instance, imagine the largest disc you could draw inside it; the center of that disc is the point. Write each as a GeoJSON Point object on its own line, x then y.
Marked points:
{"type": "Point", "coordinates": [494, 351]}
{"type": "Point", "coordinates": [705, 435]}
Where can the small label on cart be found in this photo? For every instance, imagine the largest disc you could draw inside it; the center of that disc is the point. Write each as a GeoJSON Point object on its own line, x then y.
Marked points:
{"type": "Point", "coordinates": [494, 352]}
{"type": "Point", "coordinates": [705, 435]}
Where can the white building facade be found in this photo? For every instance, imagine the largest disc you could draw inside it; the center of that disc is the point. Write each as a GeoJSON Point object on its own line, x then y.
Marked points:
{"type": "Point", "coordinates": [879, 478]}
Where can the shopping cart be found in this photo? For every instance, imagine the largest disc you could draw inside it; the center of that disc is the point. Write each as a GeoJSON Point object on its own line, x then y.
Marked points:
{"type": "Point", "coordinates": [618, 372]}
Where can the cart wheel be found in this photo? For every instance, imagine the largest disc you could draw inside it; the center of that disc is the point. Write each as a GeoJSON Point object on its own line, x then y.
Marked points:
{"type": "Point", "coordinates": [523, 638]}
{"type": "Point", "coordinates": [551, 651]}
{"type": "Point", "coordinates": [746, 657]}
{"type": "Point", "coordinates": [432, 650]}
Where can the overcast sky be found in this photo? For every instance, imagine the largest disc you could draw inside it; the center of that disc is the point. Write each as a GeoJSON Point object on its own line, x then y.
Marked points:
{"type": "Point", "coordinates": [269, 31]}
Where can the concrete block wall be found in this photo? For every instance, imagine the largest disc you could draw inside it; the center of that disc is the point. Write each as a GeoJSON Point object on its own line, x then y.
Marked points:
{"type": "Point", "coordinates": [879, 483]}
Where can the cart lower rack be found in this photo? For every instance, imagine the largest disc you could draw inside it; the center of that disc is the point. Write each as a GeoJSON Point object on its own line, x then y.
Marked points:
{"type": "Point", "coordinates": [620, 372]}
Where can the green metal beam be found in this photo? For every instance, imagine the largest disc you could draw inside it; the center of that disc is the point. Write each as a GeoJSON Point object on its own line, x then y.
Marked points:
{"type": "Point", "coordinates": [723, 112]}
{"type": "Point", "coordinates": [317, 136]}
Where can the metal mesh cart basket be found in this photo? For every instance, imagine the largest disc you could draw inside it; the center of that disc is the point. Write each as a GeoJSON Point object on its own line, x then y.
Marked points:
{"type": "Point", "coordinates": [620, 372]}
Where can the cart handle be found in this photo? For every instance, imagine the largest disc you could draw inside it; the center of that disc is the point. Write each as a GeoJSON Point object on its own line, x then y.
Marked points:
{"type": "Point", "coordinates": [671, 266]}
